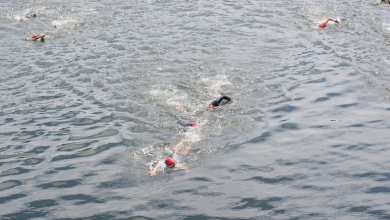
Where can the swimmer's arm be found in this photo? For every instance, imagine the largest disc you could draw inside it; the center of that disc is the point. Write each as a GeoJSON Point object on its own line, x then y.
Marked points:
{"type": "Point", "coordinates": [154, 171]}
{"type": "Point", "coordinates": [218, 101]}
{"type": "Point", "coordinates": [178, 146]}
{"type": "Point", "coordinates": [327, 20]}
{"type": "Point", "coordinates": [324, 23]}
{"type": "Point", "coordinates": [181, 166]}
{"type": "Point", "coordinates": [335, 20]}
{"type": "Point", "coordinates": [227, 98]}
{"type": "Point", "coordinates": [39, 36]}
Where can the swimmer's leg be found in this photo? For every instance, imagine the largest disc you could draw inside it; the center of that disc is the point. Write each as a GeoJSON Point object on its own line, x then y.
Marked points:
{"type": "Point", "coordinates": [186, 150]}
{"type": "Point", "coordinates": [178, 146]}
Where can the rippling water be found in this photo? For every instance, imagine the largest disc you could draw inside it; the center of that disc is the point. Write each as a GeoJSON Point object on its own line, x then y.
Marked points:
{"type": "Point", "coordinates": [86, 114]}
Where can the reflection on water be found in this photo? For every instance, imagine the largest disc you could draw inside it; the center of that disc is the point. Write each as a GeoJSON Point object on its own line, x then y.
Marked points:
{"type": "Point", "coordinates": [85, 115]}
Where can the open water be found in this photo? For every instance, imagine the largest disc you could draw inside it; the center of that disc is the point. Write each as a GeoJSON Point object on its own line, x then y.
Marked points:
{"type": "Point", "coordinates": [86, 114]}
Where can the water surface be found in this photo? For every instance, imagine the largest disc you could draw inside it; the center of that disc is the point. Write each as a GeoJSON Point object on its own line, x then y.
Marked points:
{"type": "Point", "coordinates": [85, 115]}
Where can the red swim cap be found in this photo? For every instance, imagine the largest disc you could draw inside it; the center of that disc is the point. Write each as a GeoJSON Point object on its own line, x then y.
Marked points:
{"type": "Point", "coordinates": [211, 107]}
{"type": "Point", "coordinates": [169, 162]}
{"type": "Point", "coordinates": [193, 124]}
{"type": "Point", "coordinates": [34, 36]}
{"type": "Point", "coordinates": [321, 25]}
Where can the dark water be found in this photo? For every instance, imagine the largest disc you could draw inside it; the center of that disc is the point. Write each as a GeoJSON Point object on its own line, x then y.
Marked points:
{"type": "Point", "coordinates": [85, 115]}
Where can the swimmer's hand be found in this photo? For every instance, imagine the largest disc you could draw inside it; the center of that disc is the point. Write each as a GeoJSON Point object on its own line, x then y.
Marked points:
{"type": "Point", "coordinates": [336, 21]}
{"type": "Point", "coordinates": [152, 173]}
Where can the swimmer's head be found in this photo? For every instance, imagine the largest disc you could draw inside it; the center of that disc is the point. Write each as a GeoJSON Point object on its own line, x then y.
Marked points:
{"type": "Point", "coordinates": [193, 124]}
{"type": "Point", "coordinates": [31, 16]}
{"type": "Point", "coordinates": [169, 162]}
{"type": "Point", "coordinates": [34, 36]}
{"type": "Point", "coordinates": [210, 107]}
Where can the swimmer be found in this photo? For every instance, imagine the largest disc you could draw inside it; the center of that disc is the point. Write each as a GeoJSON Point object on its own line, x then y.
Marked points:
{"type": "Point", "coordinates": [183, 119]}
{"type": "Point", "coordinates": [41, 36]}
{"type": "Point", "coordinates": [217, 102]}
{"type": "Point", "coordinates": [323, 24]}
{"type": "Point", "coordinates": [31, 16]}
{"type": "Point", "coordinates": [170, 162]}
{"type": "Point", "coordinates": [28, 16]}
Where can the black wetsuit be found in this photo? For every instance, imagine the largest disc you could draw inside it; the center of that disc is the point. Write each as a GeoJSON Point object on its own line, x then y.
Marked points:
{"type": "Point", "coordinates": [218, 101]}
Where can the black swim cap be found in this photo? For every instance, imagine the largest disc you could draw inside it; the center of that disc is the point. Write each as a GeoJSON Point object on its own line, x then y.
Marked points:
{"type": "Point", "coordinates": [31, 16]}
